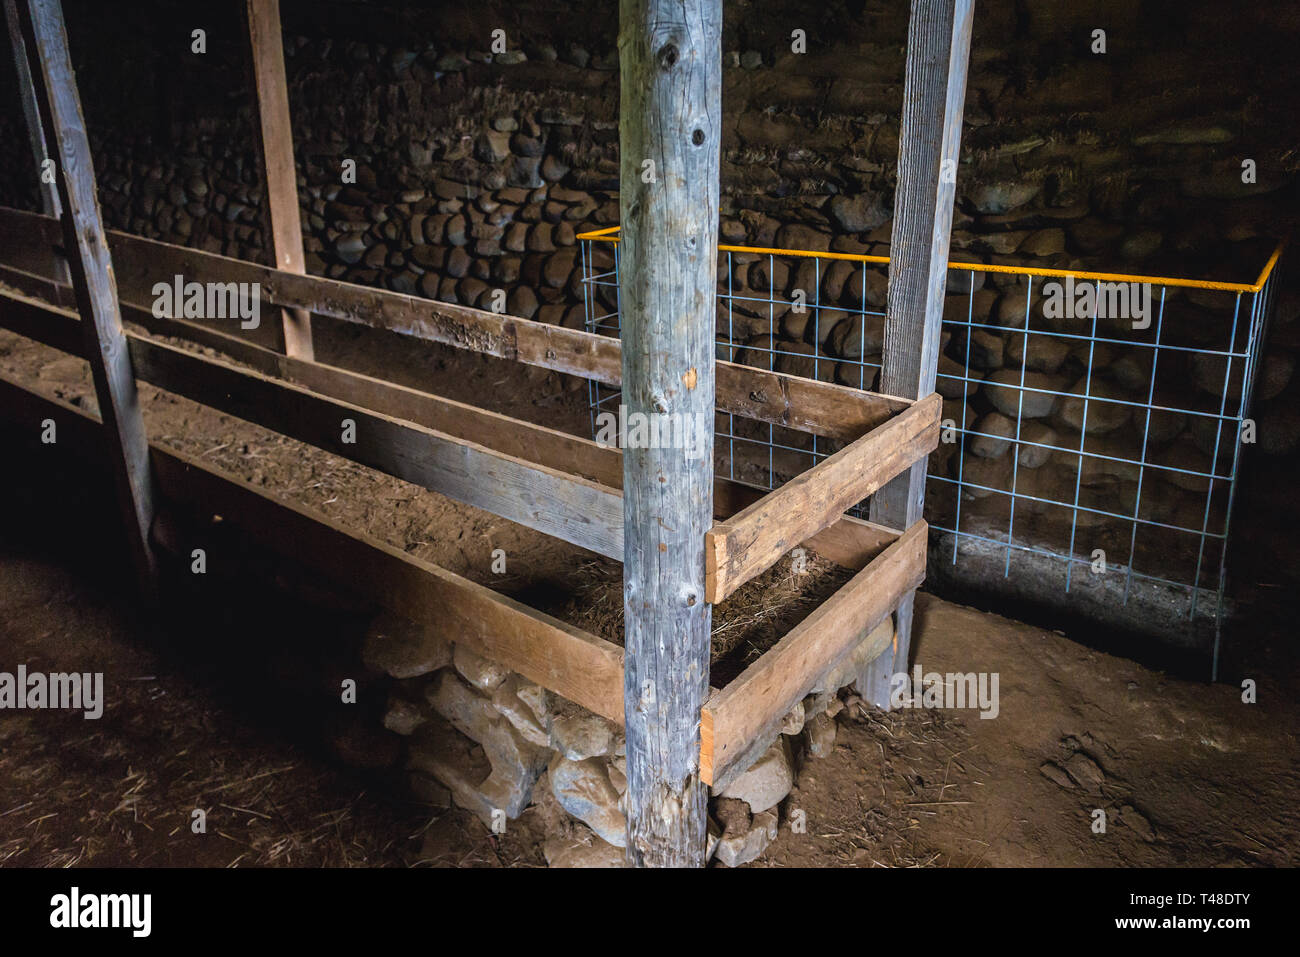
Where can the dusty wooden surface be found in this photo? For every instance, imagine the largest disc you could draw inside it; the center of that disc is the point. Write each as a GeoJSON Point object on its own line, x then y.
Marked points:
{"type": "Point", "coordinates": [929, 147]}
{"type": "Point", "coordinates": [670, 120]}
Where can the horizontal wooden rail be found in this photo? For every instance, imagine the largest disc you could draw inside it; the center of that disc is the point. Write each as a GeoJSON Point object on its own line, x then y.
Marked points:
{"type": "Point", "coordinates": [583, 668]}
{"type": "Point", "coordinates": [754, 540]}
{"type": "Point", "coordinates": [808, 405]}
{"type": "Point", "coordinates": [552, 501]}
{"type": "Point", "coordinates": [743, 717]}
{"type": "Point", "coordinates": [848, 542]}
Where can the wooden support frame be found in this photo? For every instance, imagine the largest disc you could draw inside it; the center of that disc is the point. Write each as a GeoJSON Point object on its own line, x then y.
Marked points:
{"type": "Point", "coordinates": [806, 405]}
{"type": "Point", "coordinates": [754, 540]}
{"type": "Point", "coordinates": [576, 664]}
{"type": "Point", "coordinates": [55, 87]}
{"type": "Point", "coordinates": [849, 542]}
{"type": "Point", "coordinates": [746, 715]}
{"type": "Point", "coordinates": [885, 434]}
{"type": "Point", "coordinates": [283, 235]}
{"type": "Point", "coordinates": [737, 722]}
{"type": "Point", "coordinates": [929, 147]}
{"type": "Point", "coordinates": [548, 500]}
{"type": "Point", "coordinates": [49, 192]}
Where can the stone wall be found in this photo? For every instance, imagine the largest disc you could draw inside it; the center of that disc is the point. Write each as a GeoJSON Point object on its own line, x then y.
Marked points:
{"type": "Point", "coordinates": [489, 741]}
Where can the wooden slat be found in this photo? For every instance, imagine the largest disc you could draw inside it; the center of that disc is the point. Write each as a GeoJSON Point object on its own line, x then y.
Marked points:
{"type": "Point", "coordinates": [549, 500]}
{"type": "Point", "coordinates": [929, 148]}
{"type": "Point", "coordinates": [744, 714]}
{"type": "Point", "coordinates": [275, 148]}
{"type": "Point", "coordinates": [849, 542]}
{"type": "Point", "coordinates": [584, 513]}
{"type": "Point", "coordinates": [753, 540]}
{"type": "Point", "coordinates": [567, 660]}
{"type": "Point", "coordinates": [807, 405]}
{"type": "Point", "coordinates": [92, 277]}
{"type": "Point", "coordinates": [49, 193]}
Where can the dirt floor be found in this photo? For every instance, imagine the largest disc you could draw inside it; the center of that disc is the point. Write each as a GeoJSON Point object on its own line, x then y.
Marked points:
{"type": "Point", "coordinates": [234, 710]}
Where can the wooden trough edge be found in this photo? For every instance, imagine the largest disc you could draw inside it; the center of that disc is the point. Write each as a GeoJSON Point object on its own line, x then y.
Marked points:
{"type": "Point", "coordinates": [548, 500]}
{"type": "Point", "coordinates": [569, 661]}
{"type": "Point", "coordinates": [742, 718]}
{"type": "Point", "coordinates": [753, 540]}
{"type": "Point", "coordinates": [808, 405]}
{"type": "Point", "coordinates": [848, 542]}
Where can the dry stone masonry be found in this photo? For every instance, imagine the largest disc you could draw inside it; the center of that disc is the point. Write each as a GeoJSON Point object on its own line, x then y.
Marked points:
{"type": "Point", "coordinates": [487, 740]}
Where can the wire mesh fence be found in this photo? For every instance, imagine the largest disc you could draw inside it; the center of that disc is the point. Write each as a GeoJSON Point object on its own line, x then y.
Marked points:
{"type": "Point", "coordinates": [1093, 420]}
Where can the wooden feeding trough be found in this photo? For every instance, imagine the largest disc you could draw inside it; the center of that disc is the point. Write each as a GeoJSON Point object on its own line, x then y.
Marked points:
{"type": "Point", "coordinates": [628, 508]}
{"type": "Point", "coordinates": [550, 481]}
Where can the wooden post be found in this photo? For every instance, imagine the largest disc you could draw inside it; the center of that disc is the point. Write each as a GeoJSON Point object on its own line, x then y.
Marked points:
{"type": "Point", "coordinates": [275, 146]}
{"type": "Point", "coordinates": [670, 131]}
{"type": "Point", "coordinates": [50, 204]}
{"type": "Point", "coordinates": [929, 145]}
{"type": "Point", "coordinates": [92, 276]}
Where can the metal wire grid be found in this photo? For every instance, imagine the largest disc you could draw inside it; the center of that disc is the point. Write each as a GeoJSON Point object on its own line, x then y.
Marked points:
{"type": "Point", "coordinates": [769, 455]}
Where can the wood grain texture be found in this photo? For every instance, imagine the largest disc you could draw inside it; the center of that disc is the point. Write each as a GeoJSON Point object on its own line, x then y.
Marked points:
{"type": "Point", "coordinates": [849, 542]}
{"type": "Point", "coordinates": [91, 270]}
{"type": "Point", "coordinates": [670, 117]}
{"type": "Point", "coordinates": [567, 660]}
{"type": "Point", "coordinates": [584, 513]}
{"type": "Point", "coordinates": [929, 147]}
{"type": "Point", "coordinates": [820, 408]}
{"type": "Point", "coordinates": [49, 194]}
{"type": "Point", "coordinates": [275, 150]}
{"type": "Point", "coordinates": [746, 713]}
{"type": "Point", "coordinates": [756, 538]}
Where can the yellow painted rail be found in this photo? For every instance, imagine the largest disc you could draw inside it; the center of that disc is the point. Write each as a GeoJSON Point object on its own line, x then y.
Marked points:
{"type": "Point", "coordinates": [609, 235]}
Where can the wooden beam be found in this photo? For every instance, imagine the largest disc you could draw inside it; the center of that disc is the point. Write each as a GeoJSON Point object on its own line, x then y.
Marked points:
{"type": "Point", "coordinates": [746, 714]}
{"type": "Point", "coordinates": [549, 500]}
{"type": "Point", "coordinates": [283, 239]}
{"type": "Point", "coordinates": [567, 660]}
{"type": "Point", "coordinates": [92, 276]}
{"type": "Point", "coordinates": [929, 147]}
{"type": "Point", "coordinates": [45, 185]}
{"type": "Point", "coordinates": [806, 405]}
{"type": "Point", "coordinates": [556, 503]}
{"type": "Point", "coordinates": [849, 542]}
{"type": "Point", "coordinates": [670, 120]}
{"type": "Point", "coordinates": [754, 539]}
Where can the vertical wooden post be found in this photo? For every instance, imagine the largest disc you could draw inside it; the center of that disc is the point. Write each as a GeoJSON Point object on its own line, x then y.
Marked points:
{"type": "Point", "coordinates": [670, 59]}
{"type": "Point", "coordinates": [92, 276]}
{"type": "Point", "coordinates": [50, 204]}
{"type": "Point", "coordinates": [275, 146]}
{"type": "Point", "coordinates": [929, 145]}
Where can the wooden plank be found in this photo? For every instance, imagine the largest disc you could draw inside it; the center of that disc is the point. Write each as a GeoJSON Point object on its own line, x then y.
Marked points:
{"type": "Point", "coordinates": [807, 405]}
{"type": "Point", "coordinates": [92, 276]}
{"type": "Point", "coordinates": [567, 660]}
{"type": "Point", "coordinates": [849, 542]}
{"type": "Point", "coordinates": [275, 149]}
{"type": "Point", "coordinates": [549, 500]}
{"type": "Point", "coordinates": [744, 713]}
{"type": "Point", "coordinates": [670, 118]}
{"type": "Point", "coordinates": [929, 147]}
{"type": "Point", "coordinates": [753, 540]}
{"type": "Point", "coordinates": [46, 187]}
{"type": "Point", "coordinates": [584, 513]}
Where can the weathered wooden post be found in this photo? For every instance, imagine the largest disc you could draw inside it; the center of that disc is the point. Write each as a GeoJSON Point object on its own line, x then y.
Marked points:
{"type": "Point", "coordinates": [929, 145]}
{"type": "Point", "coordinates": [283, 236]}
{"type": "Point", "coordinates": [670, 129]}
{"type": "Point", "coordinates": [92, 276]}
{"type": "Point", "coordinates": [50, 204]}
